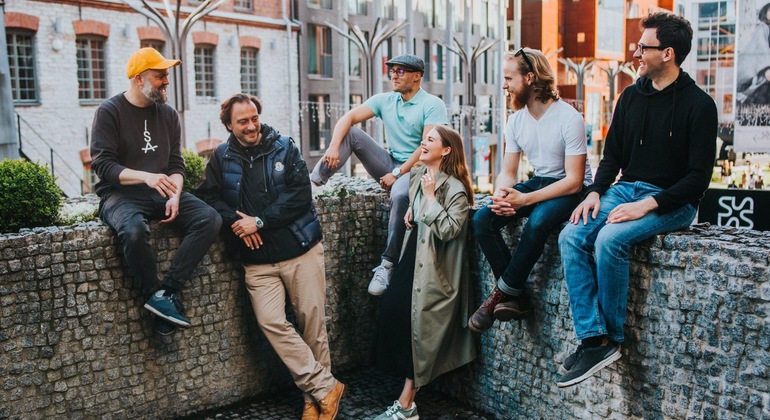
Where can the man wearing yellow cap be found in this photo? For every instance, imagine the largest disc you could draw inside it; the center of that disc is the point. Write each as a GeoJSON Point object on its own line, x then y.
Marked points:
{"type": "Point", "coordinates": [136, 151]}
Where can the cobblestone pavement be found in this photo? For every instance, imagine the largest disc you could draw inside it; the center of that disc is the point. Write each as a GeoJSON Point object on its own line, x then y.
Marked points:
{"type": "Point", "coordinates": [369, 394]}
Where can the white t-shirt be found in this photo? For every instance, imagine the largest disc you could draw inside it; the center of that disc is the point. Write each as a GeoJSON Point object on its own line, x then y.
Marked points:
{"type": "Point", "coordinates": [560, 132]}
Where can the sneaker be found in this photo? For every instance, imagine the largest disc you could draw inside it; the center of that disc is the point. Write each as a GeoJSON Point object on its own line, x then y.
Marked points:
{"type": "Point", "coordinates": [330, 404]}
{"type": "Point", "coordinates": [483, 318]}
{"type": "Point", "coordinates": [588, 361]}
{"type": "Point", "coordinates": [163, 327]}
{"type": "Point", "coordinates": [518, 307]}
{"type": "Point", "coordinates": [168, 308]}
{"type": "Point", "coordinates": [572, 358]}
{"type": "Point", "coordinates": [396, 412]}
{"type": "Point", "coordinates": [381, 278]}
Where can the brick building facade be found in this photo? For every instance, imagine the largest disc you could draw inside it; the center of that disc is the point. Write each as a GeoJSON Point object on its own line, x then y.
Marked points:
{"type": "Point", "coordinates": [71, 55]}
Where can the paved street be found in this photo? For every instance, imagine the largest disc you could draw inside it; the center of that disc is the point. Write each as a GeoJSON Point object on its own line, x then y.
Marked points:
{"type": "Point", "coordinates": [369, 394]}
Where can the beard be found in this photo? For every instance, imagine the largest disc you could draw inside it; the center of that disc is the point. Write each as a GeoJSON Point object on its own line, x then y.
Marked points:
{"type": "Point", "coordinates": [520, 99]}
{"type": "Point", "coordinates": [155, 95]}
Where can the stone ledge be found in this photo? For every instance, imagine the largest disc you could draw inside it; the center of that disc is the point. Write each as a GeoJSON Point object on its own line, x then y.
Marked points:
{"type": "Point", "coordinates": [75, 342]}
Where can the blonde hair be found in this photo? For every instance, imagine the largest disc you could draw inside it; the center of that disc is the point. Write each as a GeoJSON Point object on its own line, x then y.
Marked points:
{"type": "Point", "coordinates": [544, 85]}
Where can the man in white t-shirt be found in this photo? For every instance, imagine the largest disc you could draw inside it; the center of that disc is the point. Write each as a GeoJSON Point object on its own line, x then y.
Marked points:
{"type": "Point", "coordinates": [552, 135]}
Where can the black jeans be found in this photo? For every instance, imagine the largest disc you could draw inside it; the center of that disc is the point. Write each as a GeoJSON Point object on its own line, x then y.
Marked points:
{"type": "Point", "coordinates": [129, 214]}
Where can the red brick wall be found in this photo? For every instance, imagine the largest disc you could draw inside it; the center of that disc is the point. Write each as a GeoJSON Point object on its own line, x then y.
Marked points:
{"type": "Point", "coordinates": [21, 20]}
{"type": "Point", "coordinates": [91, 27]}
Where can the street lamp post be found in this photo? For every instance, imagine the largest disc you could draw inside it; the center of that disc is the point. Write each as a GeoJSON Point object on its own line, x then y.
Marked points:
{"type": "Point", "coordinates": [176, 35]}
{"type": "Point", "coordinates": [469, 58]}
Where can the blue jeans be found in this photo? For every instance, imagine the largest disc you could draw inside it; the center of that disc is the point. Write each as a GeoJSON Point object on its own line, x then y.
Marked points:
{"type": "Point", "coordinates": [512, 270]}
{"type": "Point", "coordinates": [595, 259]}
{"type": "Point", "coordinates": [128, 214]}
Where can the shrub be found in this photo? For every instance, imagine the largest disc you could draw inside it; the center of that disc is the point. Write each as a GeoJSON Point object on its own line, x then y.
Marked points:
{"type": "Point", "coordinates": [29, 195]}
{"type": "Point", "coordinates": [193, 172]}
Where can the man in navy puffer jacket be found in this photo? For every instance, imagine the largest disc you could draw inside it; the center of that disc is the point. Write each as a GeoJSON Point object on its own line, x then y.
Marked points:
{"type": "Point", "coordinates": [260, 185]}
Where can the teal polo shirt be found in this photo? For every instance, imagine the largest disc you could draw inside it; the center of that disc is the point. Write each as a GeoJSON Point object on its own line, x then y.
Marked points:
{"type": "Point", "coordinates": [405, 121]}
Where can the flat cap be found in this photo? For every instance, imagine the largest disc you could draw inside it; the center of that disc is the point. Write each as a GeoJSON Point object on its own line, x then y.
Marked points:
{"type": "Point", "coordinates": [408, 61]}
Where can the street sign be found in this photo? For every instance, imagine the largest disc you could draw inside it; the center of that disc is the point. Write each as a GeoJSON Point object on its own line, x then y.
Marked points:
{"type": "Point", "coordinates": [736, 208]}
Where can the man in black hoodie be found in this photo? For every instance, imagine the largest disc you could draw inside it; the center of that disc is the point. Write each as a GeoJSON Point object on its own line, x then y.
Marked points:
{"type": "Point", "coordinates": [662, 141]}
{"type": "Point", "coordinates": [137, 155]}
{"type": "Point", "coordinates": [260, 185]}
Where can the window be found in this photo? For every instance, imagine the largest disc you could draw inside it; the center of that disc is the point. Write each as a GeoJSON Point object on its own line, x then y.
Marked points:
{"type": "Point", "coordinates": [321, 4]}
{"type": "Point", "coordinates": [457, 68]}
{"type": "Point", "coordinates": [357, 7]}
{"type": "Point", "coordinates": [425, 8]}
{"type": "Point", "coordinates": [153, 43]}
{"type": "Point", "coordinates": [356, 100]}
{"type": "Point", "coordinates": [386, 49]}
{"type": "Point", "coordinates": [204, 71]}
{"type": "Point", "coordinates": [320, 122]}
{"type": "Point", "coordinates": [459, 15]}
{"type": "Point", "coordinates": [92, 74]}
{"type": "Point", "coordinates": [439, 14]}
{"type": "Point", "coordinates": [21, 60]}
{"type": "Point", "coordinates": [250, 71]}
{"type": "Point", "coordinates": [244, 5]}
{"type": "Point", "coordinates": [438, 61]}
{"type": "Point", "coordinates": [319, 51]}
{"type": "Point", "coordinates": [394, 9]}
{"type": "Point", "coordinates": [354, 62]}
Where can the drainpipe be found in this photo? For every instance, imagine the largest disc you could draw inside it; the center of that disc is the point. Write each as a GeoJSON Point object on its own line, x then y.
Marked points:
{"type": "Point", "coordinates": [289, 23]}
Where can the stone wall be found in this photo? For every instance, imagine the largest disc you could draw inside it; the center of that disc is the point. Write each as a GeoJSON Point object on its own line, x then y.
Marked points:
{"type": "Point", "coordinates": [76, 343]}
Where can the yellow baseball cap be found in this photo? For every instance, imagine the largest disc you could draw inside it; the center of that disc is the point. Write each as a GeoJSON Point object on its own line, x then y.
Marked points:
{"type": "Point", "coordinates": [148, 58]}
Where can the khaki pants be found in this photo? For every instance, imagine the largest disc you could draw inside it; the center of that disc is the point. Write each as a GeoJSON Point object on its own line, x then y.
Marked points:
{"type": "Point", "coordinates": [303, 280]}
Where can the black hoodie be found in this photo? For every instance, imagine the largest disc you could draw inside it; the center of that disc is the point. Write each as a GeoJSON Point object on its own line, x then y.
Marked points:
{"type": "Point", "coordinates": [666, 138]}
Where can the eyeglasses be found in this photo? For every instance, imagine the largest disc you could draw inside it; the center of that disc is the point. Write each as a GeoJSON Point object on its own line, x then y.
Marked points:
{"type": "Point", "coordinates": [399, 71]}
{"type": "Point", "coordinates": [521, 52]}
{"type": "Point", "coordinates": [642, 47]}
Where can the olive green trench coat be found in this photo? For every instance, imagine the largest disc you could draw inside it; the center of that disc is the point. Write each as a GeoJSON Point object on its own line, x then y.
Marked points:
{"type": "Point", "coordinates": [441, 340]}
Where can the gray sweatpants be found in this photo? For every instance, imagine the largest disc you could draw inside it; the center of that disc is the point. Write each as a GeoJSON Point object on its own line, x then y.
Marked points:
{"type": "Point", "coordinates": [377, 162]}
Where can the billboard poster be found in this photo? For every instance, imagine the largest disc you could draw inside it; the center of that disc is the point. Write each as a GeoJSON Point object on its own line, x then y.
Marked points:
{"type": "Point", "coordinates": [752, 77]}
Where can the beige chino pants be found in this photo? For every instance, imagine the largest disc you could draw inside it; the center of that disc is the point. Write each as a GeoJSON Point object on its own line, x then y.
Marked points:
{"type": "Point", "coordinates": [305, 354]}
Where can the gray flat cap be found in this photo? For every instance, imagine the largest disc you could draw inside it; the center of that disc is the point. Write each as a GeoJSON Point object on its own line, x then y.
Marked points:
{"type": "Point", "coordinates": [408, 61]}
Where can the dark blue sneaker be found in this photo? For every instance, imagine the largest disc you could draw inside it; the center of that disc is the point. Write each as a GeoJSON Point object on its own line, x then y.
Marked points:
{"type": "Point", "coordinates": [162, 326]}
{"type": "Point", "coordinates": [589, 361]}
{"type": "Point", "coordinates": [572, 358]}
{"type": "Point", "coordinates": [168, 308]}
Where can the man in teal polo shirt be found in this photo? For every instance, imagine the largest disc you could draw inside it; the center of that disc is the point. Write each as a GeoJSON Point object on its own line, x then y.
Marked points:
{"type": "Point", "coordinates": [408, 113]}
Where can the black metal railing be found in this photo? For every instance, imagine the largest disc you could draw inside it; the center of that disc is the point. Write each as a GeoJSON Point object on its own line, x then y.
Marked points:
{"type": "Point", "coordinates": [34, 148]}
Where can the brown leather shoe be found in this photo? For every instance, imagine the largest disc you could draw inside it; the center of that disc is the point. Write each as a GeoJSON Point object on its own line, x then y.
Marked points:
{"type": "Point", "coordinates": [518, 307]}
{"type": "Point", "coordinates": [483, 318]}
{"type": "Point", "coordinates": [310, 412]}
{"type": "Point", "coordinates": [330, 404]}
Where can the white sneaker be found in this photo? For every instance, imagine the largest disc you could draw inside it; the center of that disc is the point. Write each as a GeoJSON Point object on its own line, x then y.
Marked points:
{"type": "Point", "coordinates": [381, 278]}
{"type": "Point", "coordinates": [396, 412]}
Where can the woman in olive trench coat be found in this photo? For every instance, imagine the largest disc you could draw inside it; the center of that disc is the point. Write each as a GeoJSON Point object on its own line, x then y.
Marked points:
{"type": "Point", "coordinates": [437, 222]}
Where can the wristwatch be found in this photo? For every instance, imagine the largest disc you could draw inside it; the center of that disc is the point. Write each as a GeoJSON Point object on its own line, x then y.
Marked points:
{"type": "Point", "coordinates": [397, 172]}
{"type": "Point", "coordinates": [258, 222]}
